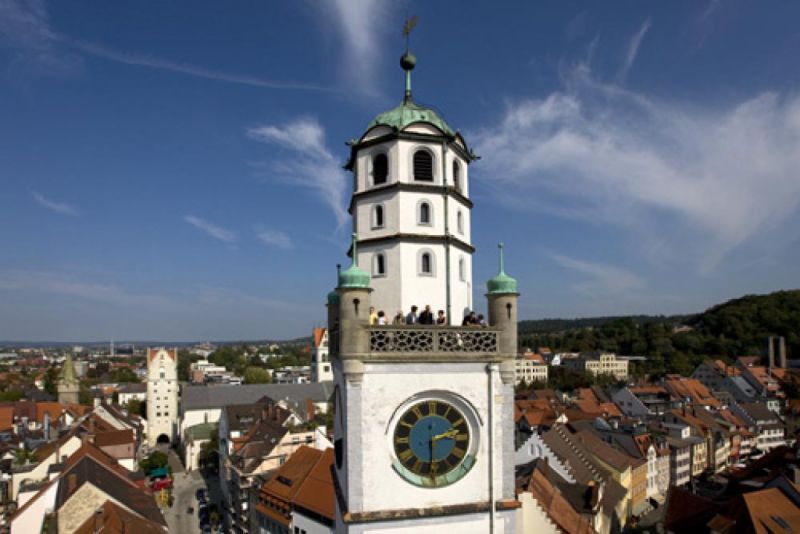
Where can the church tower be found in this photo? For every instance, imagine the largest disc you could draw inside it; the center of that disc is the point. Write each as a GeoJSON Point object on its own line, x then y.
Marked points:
{"type": "Point", "coordinates": [162, 395]}
{"type": "Point", "coordinates": [423, 428]}
{"type": "Point", "coordinates": [68, 385]}
{"type": "Point", "coordinates": [411, 209]}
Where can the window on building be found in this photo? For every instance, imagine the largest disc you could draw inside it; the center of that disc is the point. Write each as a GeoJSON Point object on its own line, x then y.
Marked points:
{"type": "Point", "coordinates": [379, 268]}
{"type": "Point", "coordinates": [377, 216]}
{"type": "Point", "coordinates": [462, 274]}
{"type": "Point", "coordinates": [423, 166]}
{"type": "Point", "coordinates": [457, 176]}
{"type": "Point", "coordinates": [425, 213]}
{"type": "Point", "coordinates": [380, 169]}
{"type": "Point", "coordinates": [426, 264]}
{"type": "Point", "coordinates": [460, 222]}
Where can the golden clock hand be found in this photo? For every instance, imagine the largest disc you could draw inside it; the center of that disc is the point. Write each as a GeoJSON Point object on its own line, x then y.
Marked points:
{"type": "Point", "coordinates": [447, 434]}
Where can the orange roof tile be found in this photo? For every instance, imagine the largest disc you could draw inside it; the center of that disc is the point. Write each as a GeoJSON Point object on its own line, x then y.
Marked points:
{"type": "Point", "coordinates": [318, 333]}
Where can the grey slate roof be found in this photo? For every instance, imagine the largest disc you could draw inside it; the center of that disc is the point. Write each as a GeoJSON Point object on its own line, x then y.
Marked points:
{"type": "Point", "coordinates": [203, 397]}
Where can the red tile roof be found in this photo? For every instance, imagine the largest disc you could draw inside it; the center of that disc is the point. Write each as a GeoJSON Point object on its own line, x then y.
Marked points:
{"type": "Point", "coordinates": [304, 481]}
{"type": "Point", "coordinates": [318, 334]}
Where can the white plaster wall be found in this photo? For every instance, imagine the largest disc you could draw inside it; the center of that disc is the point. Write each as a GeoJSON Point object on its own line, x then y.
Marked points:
{"type": "Point", "coordinates": [400, 154]}
{"type": "Point", "coordinates": [369, 451]}
{"type": "Point", "coordinates": [196, 417]}
{"type": "Point", "coordinates": [531, 518]}
{"type": "Point", "coordinates": [31, 519]}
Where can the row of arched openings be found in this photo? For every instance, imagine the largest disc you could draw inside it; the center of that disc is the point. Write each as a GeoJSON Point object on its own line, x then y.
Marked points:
{"type": "Point", "coordinates": [424, 216]}
{"type": "Point", "coordinates": [425, 265]}
{"type": "Point", "coordinates": [422, 169]}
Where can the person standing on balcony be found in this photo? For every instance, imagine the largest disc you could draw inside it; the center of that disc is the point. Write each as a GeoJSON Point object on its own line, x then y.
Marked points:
{"type": "Point", "coordinates": [426, 317]}
{"type": "Point", "coordinates": [441, 319]}
{"type": "Point", "coordinates": [373, 317]}
{"type": "Point", "coordinates": [399, 319]}
{"type": "Point", "coordinates": [411, 318]}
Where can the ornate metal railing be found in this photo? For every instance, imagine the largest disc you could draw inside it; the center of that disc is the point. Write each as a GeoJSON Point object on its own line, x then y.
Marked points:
{"type": "Point", "coordinates": [421, 339]}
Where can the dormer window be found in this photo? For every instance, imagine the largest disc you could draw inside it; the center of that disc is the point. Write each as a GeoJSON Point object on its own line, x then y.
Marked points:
{"type": "Point", "coordinates": [380, 169]}
{"type": "Point", "coordinates": [423, 166]}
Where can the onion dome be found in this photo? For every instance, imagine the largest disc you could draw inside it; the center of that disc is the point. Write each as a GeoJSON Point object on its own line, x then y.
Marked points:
{"type": "Point", "coordinates": [502, 284]}
{"type": "Point", "coordinates": [353, 277]}
{"type": "Point", "coordinates": [409, 112]}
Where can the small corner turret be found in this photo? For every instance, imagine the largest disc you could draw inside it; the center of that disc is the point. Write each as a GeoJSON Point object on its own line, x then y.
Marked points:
{"type": "Point", "coordinates": [502, 294]}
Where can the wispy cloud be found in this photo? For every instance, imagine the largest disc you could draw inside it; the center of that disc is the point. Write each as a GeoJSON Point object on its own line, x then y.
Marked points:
{"type": "Point", "coordinates": [186, 68]}
{"type": "Point", "coordinates": [25, 28]}
{"type": "Point", "coordinates": [700, 182]}
{"type": "Point", "coordinates": [275, 238]}
{"type": "Point", "coordinates": [633, 49]}
{"type": "Point", "coordinates": [359, 22]}
{"type": "Point", "coordinates": [314, 166]}
{"type": "Point", "coordinates": [217, 232]}
{"type": "Point", "coordinates": [603, 278]}
{"type": "Point", "coordinates": [58, 207]}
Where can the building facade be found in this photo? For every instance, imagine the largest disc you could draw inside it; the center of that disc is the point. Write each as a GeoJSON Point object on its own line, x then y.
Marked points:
{"type": "Point", "coordinates": [162, 395]}
{"type": "Point", "coordinates": [598, 363]}
{"type": "Point", "coordinates": [424, 415]}
{"type": "Point", "coordinates": [320, 360]}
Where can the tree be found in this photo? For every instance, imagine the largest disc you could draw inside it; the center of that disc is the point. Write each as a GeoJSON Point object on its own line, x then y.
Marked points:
{"type": "Point", "coordinates": [256, 375]}
{"type": "Point", "coordinates": [124, 375]}
{"type": "Point", "coordinates": [209, 450]}
{"type": "Point", "coordinates": [51, 380]}
{"type": "Point", "coordinates": [154, 461]}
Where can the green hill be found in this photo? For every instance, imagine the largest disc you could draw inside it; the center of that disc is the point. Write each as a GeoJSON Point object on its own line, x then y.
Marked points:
{"type": "Point", "coordinates": [735, 328]}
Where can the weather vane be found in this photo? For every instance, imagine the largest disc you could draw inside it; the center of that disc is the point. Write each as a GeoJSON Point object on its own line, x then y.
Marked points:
{"type": "Point", "coordinates": [407, 27]}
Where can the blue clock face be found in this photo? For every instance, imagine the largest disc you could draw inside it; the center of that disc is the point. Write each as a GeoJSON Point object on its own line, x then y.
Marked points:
{"type": "Point", "coordinates": [431, 440]}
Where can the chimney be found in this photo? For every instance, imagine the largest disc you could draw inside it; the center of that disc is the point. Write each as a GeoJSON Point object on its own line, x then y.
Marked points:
{"type": "Point", "coordinates": [771, 353]}
{"type": "Point", "coordinates": [782, 352]}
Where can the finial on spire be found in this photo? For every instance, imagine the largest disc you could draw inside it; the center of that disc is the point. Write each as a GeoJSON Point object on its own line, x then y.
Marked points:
{"type": "Point", "coordinates": [408, 61]}
{"type": "Point", "coordinates": [502, 265]}
{"type": "Point", "coordinates": [355, 252]}
{"type": "Point", "coordinates": [338, 269]}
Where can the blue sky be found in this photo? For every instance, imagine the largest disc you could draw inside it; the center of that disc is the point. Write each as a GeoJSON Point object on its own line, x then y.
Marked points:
{"type": "Point", "coordinates": [173, 170]}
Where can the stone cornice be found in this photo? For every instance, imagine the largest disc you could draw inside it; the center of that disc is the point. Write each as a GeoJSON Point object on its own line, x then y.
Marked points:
{"type": "Point", "coordinates": [420, 238]}
{"type": "Point", "coordinates": [408, 187]}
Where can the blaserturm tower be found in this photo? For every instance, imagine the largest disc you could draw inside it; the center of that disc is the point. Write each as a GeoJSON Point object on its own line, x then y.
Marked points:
{"type": "Point", "coordinates": [423, 427]}
{"type": "Point", "coordinates": [68, 385]}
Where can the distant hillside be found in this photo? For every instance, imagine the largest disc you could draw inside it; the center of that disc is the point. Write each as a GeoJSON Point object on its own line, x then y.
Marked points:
{"type": "Point", "coordinates": [735, 328]}
{"type": "Point", "coordinates": [549, 326]}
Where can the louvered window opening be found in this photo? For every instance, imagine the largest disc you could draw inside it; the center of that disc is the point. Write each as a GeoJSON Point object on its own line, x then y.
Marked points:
{"type": "Point", "coordinates": [423, 166]}
{"type": "Point", "coordinates": [380, 169]}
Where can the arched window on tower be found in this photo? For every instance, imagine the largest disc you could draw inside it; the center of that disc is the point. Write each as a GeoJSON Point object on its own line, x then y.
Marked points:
{"type": "Point", "coordinates": [423, 166]}
{"type": "Point", "coordinates": [426, 263]}
{"type": "Point", "coordinates": [425, 215]}
{"type": "Point", "coordinates": [457, 176]}
{"type": "Point", "coordinates": [379, 265]}
{"type": "Point", "coordinates": [378, 216]}
{"type": "Point", "coordinates": [380, 169]}
{"type": "Point", "coordinates": [460, 222]}
{"type": "Point", "coordinates": [462, 273]}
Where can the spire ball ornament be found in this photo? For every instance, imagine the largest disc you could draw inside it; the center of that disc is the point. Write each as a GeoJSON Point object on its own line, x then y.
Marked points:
{"type": "Point", "coordinates": [408, 61]}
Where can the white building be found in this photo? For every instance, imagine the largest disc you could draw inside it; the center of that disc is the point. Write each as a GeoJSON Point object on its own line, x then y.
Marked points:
{"type": "Point", "coordinates": [411, 211]}
{"type": "Point", "coordinates": [320, 361]}
{"type": "Point", "coordinates": [529, 368]}
{"type": "Point", "coordinates": [162, 395]}
{"type": "Point", "coordinates": [452, 388]}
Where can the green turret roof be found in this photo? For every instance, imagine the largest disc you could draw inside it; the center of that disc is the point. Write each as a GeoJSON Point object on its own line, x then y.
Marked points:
{"type": "Point", "coordinates": [68, 375]}
{"type": "Point", "coordinates": [353, 277]}
{"type": "Point", "coordinates": [409, 112]}
{"type": "Point", "coordinates": [502, 283]}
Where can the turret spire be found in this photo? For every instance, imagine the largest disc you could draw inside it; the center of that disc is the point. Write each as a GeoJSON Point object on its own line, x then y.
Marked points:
{"type": "Point", "coordinates": [353, 277]}
{"type": "Point", "coordinates": [408, 61]}
{"type": "Point", "coordinates": [502, 283]}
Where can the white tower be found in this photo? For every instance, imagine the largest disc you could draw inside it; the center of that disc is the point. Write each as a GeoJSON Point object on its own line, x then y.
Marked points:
{"type": "Point", "coordinates": [423, 427]}
{"type": "Point", "coordinates": [320, 362]}
{"type": "Point", "coordinates": [411, 209]}
{"type": "Point", "coordinates": [162, 395]}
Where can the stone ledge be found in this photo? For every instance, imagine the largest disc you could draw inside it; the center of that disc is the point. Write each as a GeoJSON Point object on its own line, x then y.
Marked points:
{"type": "Point", "coordinates": [434, 511]}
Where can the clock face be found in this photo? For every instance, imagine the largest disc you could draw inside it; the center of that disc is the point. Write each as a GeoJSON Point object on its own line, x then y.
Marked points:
{"type": "Point", "coordinates": [431, 443]}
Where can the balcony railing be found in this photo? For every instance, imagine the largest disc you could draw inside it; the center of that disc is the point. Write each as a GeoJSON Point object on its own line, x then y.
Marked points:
{"type": "Point", "coordinates": [432, 340]}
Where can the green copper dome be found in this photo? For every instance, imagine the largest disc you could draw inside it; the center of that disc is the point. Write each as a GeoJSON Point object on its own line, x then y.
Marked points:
{"type": "Point", "coordinates": [409, 112]}
{"type": "Point", "coordinates": [502, 283]}
{"type": "Point", "coordinates": [353, 277]}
